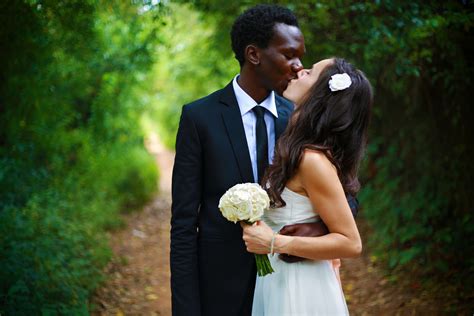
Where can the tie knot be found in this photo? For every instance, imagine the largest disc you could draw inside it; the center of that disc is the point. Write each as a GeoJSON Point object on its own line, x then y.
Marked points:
{"type": "Point", "coordinates": [259, 111]}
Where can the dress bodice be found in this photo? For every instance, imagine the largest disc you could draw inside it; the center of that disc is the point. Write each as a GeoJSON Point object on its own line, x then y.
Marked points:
{"type": "Point", "coordinates": [298, 209]}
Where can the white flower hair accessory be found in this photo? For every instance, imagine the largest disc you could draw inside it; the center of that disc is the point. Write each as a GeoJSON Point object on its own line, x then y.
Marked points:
{"type": "Point", "coordinates": [340, 82]}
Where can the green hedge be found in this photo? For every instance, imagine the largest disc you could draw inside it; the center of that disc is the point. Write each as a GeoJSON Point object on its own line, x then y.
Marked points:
{"type": "Point", "coordinates": [54, 247]}
{"type": "Point", "coordinates": [73, 89]}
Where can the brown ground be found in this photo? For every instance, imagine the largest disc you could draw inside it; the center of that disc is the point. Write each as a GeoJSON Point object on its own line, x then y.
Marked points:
{"type": "Point", "coordinates": [138, 276]}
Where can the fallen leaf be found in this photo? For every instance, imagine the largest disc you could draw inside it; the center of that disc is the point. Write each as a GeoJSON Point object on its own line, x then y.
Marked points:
{"type": "Point", "coordinates": [151, 297]}
{"type": "Point", "coordinates": [348, 297]}
{"type": "Point", "coordinates": [348, 287]}
{"type": "Point", "coordinates": [148, 289]}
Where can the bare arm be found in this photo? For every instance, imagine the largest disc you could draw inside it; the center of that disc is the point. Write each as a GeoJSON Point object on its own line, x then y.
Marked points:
{"type": "Point", "coordinates": [315, 229]}
{"type": "Point", "coordinates": [320, 181]}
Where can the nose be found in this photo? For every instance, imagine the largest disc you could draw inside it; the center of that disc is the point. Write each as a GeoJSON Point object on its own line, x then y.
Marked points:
{"type": "Point", "coordinates": [297, 65]}
{"type": "Point", "coordinates": [301, 73]}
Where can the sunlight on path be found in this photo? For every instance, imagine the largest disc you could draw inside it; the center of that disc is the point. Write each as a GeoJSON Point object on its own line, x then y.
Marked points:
{"type": "Point", "coordinates": [164, 158]}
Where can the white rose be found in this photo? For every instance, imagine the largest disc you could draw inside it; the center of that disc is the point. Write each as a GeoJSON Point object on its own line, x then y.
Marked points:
{"type": "Point", "coordinates": [245, 201]}
{"type": "Point", "coordinates": [340, 82]}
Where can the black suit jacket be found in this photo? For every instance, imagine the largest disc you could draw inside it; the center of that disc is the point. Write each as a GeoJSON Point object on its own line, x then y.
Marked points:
{"type": "Point", "coordinates": [211, 271]}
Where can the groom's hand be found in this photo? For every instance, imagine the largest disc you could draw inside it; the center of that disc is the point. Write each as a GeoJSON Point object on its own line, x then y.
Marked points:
{"type": "Point", "coordinates": [306, 230]}
{"type": "Point", "coordinates": [312, 229]}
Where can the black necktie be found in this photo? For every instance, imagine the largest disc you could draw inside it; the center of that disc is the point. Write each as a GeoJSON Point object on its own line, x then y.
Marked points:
{"type": "Point", "coordinates": [262, 141]}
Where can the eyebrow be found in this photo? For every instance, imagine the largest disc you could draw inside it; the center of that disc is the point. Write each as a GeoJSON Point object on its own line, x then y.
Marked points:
{"type": "Point", "coordinates": [292, 49]}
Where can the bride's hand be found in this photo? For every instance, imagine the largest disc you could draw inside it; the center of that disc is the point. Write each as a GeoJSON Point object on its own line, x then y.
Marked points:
{"type": "Point", "coordinates": [257, 237]}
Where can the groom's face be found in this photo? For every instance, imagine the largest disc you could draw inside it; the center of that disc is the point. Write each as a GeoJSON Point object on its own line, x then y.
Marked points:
{"type": "Point", "coordinates": [281, 60]}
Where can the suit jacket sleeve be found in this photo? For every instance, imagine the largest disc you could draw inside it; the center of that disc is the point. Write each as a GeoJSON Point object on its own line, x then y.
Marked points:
{"type": "Point", "coordinates": [186, 194]}
{"type": "Point", "coordinates": [353, 204]}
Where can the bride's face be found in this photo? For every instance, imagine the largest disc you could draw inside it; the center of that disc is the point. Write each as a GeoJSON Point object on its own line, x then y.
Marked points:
{"type": "Point", "coordinates": [299, 87]}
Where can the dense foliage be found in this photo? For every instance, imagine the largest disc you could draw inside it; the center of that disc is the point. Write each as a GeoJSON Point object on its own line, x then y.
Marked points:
{"type": "Point", "coordinates": [73, 85]}
{"type": "Point", "coordinates": [190, 64]}
{"type": "Point", "coordinates": [416, 193]}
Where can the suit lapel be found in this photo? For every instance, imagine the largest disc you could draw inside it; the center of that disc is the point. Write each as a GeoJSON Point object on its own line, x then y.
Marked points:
{"type": "Point", "coordinates": [236, 133]}
{"type": "Point", "coordinates": [284, 110]}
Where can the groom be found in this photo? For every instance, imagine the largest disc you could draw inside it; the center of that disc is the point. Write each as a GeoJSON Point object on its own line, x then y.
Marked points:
{"type": "Point", "coordinates": [219, 145]}
{"type": "Point", "coordinates": [211, 271]}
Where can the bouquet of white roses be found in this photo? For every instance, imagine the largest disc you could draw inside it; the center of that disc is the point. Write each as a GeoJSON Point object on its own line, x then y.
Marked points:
{"type": "Point", "coordinates": [247, 202]}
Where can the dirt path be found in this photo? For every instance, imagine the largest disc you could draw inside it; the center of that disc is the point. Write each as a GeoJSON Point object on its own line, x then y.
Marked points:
{"type": "Point", "coordinates": [138, 276]}
{"type": "Point", "coordinates": [138, 281]}
{"type": "Point", "coordinates": [369, 292]}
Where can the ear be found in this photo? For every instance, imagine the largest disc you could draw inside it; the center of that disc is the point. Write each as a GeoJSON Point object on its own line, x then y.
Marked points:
{"type": "Point", "coordinates": [252, 54]}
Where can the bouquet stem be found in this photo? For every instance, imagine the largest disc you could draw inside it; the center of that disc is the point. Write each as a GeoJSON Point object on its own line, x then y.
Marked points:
{"type": "Point", "coordinates": [263, 265]}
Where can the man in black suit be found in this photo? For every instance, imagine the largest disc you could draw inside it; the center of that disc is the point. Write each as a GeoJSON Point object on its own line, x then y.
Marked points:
{"type": "Point", "coordinates": [216, 148]}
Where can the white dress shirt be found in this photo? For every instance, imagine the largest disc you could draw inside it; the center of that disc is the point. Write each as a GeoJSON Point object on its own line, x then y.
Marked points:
{"type": "Point", "coordinates": [246, 104]}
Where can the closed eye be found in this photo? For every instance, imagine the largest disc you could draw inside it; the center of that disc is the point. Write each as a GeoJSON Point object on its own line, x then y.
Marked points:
{"type": "Point", "coordinates": [305, 72]}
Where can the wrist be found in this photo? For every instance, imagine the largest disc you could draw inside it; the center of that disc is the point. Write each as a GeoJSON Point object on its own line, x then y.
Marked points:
{"type": "Point", "coordinates": [282, 244]}
{"type": "Point", "coordinates": [272, 243]}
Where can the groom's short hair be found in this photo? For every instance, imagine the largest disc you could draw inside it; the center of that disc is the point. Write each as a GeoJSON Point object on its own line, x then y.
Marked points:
{"type": "Point", "coordinates": [255, 26]}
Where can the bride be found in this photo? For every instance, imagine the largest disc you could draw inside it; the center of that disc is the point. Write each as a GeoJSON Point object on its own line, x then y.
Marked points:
{"type": "Point", "coordinates": [316, 162]}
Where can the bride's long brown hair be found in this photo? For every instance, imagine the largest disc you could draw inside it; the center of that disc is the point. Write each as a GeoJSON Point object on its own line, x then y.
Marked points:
{"type": "Point", "coordinates": [334, 123]}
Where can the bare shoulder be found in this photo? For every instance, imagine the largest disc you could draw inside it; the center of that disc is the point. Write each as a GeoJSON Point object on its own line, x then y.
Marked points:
{"type": "Point", "coordinates": [317, 170]}
{"type": "Point", "coordinates": [314, 161]}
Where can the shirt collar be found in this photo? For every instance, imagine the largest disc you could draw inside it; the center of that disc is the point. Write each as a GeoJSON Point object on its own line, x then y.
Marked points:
{"type": "Point", "coordinates": [246, 103]}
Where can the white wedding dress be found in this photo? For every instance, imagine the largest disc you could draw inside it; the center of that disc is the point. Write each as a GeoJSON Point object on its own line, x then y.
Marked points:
{"type": "Point", "coordinates": [309, 287]}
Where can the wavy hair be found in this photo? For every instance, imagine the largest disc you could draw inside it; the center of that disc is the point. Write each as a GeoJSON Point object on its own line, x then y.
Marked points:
{"type": "Point", "coordinates": [334, 123]}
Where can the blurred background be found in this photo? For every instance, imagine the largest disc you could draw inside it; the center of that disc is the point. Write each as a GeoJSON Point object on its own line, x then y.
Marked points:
{"type": "Point", "coordinates": [84, 83]}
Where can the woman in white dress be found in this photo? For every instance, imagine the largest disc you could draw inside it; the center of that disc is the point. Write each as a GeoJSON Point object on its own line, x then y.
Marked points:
{"type": "Point", "coordinates": [315, 164]}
